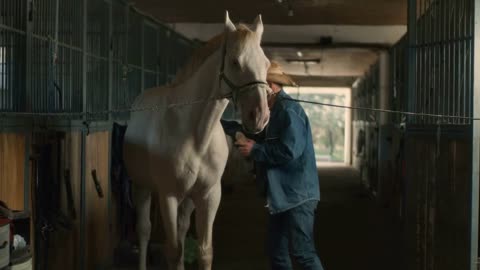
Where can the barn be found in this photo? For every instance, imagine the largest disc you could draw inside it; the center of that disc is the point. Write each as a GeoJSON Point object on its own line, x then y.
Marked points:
{"type": "Point", "coordinates": [389, 88]}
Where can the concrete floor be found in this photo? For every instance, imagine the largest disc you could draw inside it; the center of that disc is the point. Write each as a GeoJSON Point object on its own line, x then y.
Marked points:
{"type": "Point", "coordinates": [352, 231]}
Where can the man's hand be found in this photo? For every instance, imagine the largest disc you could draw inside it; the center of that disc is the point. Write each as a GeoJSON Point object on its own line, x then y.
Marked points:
{"type": "Point", "coordinates": [244, 144]}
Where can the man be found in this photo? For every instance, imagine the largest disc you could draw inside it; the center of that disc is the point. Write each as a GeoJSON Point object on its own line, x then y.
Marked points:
{"type": "Point", "coordinates": [286, 164]}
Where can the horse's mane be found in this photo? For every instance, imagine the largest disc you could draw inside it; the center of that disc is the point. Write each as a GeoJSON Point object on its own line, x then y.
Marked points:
{"type": "Point", "coordinates": [200, 55]}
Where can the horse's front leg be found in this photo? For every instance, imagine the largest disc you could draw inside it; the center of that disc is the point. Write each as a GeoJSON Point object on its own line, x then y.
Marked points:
{"type": "Point", "coordinates": [206, 209]}
{"type": "Point", "coordinates": [169, 209]}
{"type": "Point", "coordinates": [185, 211]}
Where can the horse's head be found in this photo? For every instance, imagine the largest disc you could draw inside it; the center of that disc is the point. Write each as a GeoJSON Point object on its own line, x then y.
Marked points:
{"type": "Point", "coordinates": [244, 73]}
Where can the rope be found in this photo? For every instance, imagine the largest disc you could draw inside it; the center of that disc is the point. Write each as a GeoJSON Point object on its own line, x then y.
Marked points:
{"type": "Point", "coordinates": [386, 111]}
{"type": "Point", "coordinates": [173, 105]}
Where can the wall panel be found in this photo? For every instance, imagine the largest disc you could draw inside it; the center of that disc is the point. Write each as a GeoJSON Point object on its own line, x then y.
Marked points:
{"type": "Point", "coordinates": [12, 169]}
{"type": "Point", "coordinates": [98, 248]}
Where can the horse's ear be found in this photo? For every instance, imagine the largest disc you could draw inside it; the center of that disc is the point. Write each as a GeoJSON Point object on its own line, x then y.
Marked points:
{"type": "Point", "coordinates": [229, 26]}
{"type": "Point", "coordinates": [258, 26]}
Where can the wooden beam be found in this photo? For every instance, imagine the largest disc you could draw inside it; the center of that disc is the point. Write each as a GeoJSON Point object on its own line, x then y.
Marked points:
{"type": "Point", "coordinates": [331, 46]}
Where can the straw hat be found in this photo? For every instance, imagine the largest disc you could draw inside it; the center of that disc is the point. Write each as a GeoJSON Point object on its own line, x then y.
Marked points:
{"type": "Point", "coordinates": [275, 74]}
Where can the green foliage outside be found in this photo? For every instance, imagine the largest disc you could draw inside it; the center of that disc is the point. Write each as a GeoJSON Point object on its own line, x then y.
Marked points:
{"type": "Point", "coordinates": [328, 126]}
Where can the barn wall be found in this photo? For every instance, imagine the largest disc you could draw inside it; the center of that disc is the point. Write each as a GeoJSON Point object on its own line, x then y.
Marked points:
{"type": "Point", "coordinates": [108, 53]}
{"type": "Point", "coordinates": [439, 178]}
{"type": "Point", "coordinates": [437, 198]}
{"type": "Point", "coordinates": [98, 245]}
{"type": "Point", "coordinates": [425, 177]}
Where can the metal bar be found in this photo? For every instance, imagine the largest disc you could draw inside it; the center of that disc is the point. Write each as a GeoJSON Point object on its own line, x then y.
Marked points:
{"type": "Point", "coordinates": [157, 53]}
{"type": "Point", "coordinates": [60, 44]}
{"type": "Point", "coordinates": [110, 63]}
{"type": "Point", "coordinates": [421, 56]}
{"type": "Point", "coordinates": [123, 97]}
{"type": "Point", "coordinates": [3, 74]}
{"type": "Point", "coordinates": [453, 92]}
{"type": "Point", "coordinates": [443, 65]}
{"type": "Point", "coordinates": [457, 62]}
{"type": "Point", "coordinates": [12, 29]}
{"type": "Point", "coordinates": [10, 70]}
{"type": "Point", "coordinates": [429, 74]}
{"type": "Point", "coordinates": [84, 64]}
{"type": "Point", "coordinates": [431, 67]}
{"type": "Point", "coordinates": [84, 109]}
{"type": "Point", "coordinates": [470, 62]}
{"type": "Point", "coordinates": [28, 57]}
{"type": "Point", "coordinates": [474, 189]}
{"type": "Point", "coordinates": [464, 57]}
{"type": "Point", "coordinates": [437, 51]}
{"type": "Point", "coordinates": [464, 62]}
{"type": "Point", "coordinates": [437, 56]}
{"type": "Point", "coordinates": [446, 72]}
{"type": "Point", "coordinates": [433, 75]}
{"type": "Point", "coordinates": [57, 15]}
{"type": "Point", "coordinates": [142, 54]}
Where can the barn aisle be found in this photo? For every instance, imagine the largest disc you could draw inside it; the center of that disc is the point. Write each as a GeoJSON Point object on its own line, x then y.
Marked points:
{"type": "Point", "coordinates": [352, 231]}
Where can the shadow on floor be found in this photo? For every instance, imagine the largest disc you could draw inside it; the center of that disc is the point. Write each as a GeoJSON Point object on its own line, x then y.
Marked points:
{"type": "Point", "coordinates": [352, 232]}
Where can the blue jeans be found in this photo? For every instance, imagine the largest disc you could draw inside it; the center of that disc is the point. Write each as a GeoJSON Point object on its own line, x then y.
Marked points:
{"type": "Point", "coordinates": [293, 228]}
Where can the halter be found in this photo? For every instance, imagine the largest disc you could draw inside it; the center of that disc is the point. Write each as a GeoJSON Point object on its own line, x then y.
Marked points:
{"type": "Point", "coordinates": [236, 90]}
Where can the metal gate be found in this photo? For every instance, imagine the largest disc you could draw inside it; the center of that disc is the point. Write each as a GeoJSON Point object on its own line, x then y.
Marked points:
{"type": "Point", "coordinates": [82, 56]}
{"type": "Point", "coordinates": [78, 57]}
{"type": "Point", "coordinates": [438, 150]}
{"type": "Point", "coordinates": [437, 162]}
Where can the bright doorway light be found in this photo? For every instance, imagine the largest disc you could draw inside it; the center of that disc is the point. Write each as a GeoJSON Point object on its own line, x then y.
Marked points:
{"type": "Point", "coordinates": [331, 126]}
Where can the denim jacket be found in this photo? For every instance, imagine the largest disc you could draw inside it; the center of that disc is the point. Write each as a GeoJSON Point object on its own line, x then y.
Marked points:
{"type": "Point", "coordinates": [287, 158]}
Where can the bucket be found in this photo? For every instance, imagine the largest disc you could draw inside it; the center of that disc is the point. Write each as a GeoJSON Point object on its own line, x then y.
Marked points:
{"type": "Point", "coordinates": [4, 242]}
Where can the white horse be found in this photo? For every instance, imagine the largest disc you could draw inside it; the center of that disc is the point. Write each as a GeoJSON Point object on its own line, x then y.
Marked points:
{"type": "Point", "coordinates": [179, 149]}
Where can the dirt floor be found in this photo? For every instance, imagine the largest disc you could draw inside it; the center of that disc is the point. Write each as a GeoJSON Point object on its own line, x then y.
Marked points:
{"type": "Point", "coordinates": [352, 231]}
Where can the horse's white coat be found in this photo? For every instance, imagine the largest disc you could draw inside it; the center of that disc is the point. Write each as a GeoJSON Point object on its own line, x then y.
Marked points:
{"type": "Point", "coordinates": [180, 151]}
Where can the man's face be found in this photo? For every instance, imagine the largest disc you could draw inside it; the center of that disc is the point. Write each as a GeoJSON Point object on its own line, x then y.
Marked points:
{"type": "Point", "coordinates": [275, 87]}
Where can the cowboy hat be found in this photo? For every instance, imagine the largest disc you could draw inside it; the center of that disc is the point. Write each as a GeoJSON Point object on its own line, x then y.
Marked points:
{"type": "Point", "coordinates": [275, 74]}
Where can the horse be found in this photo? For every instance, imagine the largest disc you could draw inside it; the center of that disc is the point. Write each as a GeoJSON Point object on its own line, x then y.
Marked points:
{"type": "Point", "coordinates": [178, 148]}
{"type": "Point", "coordinates": [238, 170]}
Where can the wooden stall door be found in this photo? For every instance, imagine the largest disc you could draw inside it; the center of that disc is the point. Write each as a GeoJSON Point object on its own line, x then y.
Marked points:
{"type": "Point", "coordinates": [98, 248]}
{"type": "Point", "coordinates": [437, 203]}
{"type": "Point", "coordinates": [65, 244]}
{"type": "Point", "coordinates": [12, 169]}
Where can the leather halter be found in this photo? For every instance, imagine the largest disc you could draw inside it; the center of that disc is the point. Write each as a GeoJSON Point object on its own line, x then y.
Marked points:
{"type": "Point", "coordinates": [236, 89]}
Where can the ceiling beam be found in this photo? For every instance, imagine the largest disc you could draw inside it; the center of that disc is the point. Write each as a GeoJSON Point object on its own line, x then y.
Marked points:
{"type": "Point", "coordinates": [324, 81]}
{"type": "Point", "coordinates": [331, 46]}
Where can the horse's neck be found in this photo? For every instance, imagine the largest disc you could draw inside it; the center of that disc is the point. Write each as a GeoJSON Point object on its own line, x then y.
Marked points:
{"type": "Point", "coordinates": [204, 84]}
{"type": "Point", "coordinates": [208, 124]}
